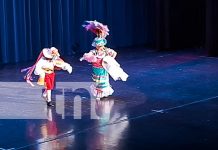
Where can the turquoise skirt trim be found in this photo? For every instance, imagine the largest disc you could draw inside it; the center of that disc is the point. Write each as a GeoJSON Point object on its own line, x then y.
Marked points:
{"type": "Point", "coordinates": [101, 77]}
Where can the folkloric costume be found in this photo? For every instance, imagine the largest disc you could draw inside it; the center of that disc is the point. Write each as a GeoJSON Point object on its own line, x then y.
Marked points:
{"type": "Point", "coordinates": [47, 62]}
{"type": "Point", "coordinates": [103, 62]}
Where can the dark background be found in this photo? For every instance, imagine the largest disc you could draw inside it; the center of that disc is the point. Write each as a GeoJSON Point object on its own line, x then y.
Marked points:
{"type": "Point", "coordinates": [27, 26]}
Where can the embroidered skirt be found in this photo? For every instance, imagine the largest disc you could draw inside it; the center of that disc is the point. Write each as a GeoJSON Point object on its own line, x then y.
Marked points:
{"type": "Point", "coordinates": [102, 87]}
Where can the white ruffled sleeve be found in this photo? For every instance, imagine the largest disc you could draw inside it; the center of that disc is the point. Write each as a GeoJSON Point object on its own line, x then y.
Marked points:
{"type": "Point", "coordinates": [38, 70]}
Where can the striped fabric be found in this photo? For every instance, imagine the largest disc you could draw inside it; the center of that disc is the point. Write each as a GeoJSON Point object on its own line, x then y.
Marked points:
{"type": "Point", "coordinates": [102, 87]}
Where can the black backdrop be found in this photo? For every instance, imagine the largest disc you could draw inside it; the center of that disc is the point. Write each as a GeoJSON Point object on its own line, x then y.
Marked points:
{"type": "Point", "coordinates": [180, 24]}
{"type": "Point", "coordinates": [26, 26]}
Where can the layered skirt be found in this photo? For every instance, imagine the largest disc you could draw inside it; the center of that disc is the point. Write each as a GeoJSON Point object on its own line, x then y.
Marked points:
{"type": "Point", "coordinates": [101, 88]}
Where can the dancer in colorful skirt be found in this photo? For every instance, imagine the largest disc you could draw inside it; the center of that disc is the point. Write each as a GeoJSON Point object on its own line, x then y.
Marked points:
{"type": "Point", "coordinates": [103, 62]}
{"type": "Point", "coordinates": [48, 61]}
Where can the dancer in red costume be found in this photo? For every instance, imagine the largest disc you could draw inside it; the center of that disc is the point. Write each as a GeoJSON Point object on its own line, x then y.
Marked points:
{"type": "Point", "coordinates": [48, 61]}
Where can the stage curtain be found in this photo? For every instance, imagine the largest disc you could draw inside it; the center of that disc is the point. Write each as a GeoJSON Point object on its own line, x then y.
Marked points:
{"type": "Point", "coordinates": [27, 26]}
{"type": "Point", "coordinates": [179, 24]}
{"type": "Point", "coordinates": [212, 27]}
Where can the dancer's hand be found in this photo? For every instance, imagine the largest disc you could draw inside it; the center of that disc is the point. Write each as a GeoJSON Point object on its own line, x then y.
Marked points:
{"type": "Point", "coordinates": [81, 59]}
{"type": "Point", "coordinates": [69, 69]}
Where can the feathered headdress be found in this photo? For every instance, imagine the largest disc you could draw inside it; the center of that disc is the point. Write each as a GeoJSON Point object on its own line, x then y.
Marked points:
{"type": "Point", "coordinates": [97, 28]}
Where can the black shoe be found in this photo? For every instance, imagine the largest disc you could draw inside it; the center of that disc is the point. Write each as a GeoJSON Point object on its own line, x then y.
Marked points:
{"type": "Point", "coordinates": [49, 104]}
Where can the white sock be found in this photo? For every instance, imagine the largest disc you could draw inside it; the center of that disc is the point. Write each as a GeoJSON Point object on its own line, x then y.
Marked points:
{"type": "Point", "coordinates": [48, 95]}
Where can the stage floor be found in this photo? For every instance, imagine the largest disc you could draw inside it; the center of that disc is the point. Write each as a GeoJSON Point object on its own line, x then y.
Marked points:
{"type": "Point", "coordinates": [170, 101]}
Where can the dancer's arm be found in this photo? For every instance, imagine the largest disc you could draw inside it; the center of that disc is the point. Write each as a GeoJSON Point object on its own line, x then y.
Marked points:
{"type": "Point", "coordinates": [60, 64]}
{"type": "Point", "coordinates": [111, 52]}
{"type": "Point", "coordinates": [89, 57]}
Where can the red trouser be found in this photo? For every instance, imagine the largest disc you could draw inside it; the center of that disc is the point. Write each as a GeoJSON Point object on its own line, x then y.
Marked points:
{"type": "Point", "coordinates": [49, 81]}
